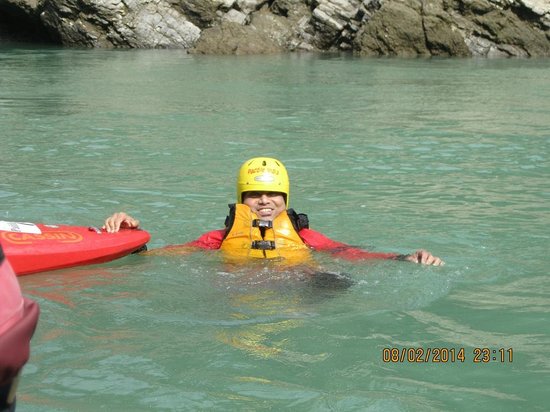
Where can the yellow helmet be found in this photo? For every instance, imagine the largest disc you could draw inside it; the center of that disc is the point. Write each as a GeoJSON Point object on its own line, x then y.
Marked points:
{"type": "Point", "coordinates": [263, 174]}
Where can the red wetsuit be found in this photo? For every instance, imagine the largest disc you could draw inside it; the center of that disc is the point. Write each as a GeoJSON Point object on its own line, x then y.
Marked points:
{"type": "Point", "coordinates": [18, 319]}
{"type": "Point", "coordinates": [315, 240]}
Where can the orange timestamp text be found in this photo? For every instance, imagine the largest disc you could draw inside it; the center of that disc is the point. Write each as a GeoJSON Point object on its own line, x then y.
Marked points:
{"type": "Point", "coordinates": [447, 355]}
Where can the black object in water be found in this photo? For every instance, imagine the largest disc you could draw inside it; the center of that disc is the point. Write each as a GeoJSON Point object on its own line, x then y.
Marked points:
{"type": "Point", "coordinates": [331, 280]}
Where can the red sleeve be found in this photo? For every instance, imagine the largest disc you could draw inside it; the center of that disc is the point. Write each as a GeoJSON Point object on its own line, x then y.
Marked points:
{"type": "Point", "coordinates": [17, 327]}
{"type": "Point", "coordinates": [318, 241]}
{"type": "Point", "coordinates": [210, 240]}
{"type": "Point", "coordinates": [15, 343]}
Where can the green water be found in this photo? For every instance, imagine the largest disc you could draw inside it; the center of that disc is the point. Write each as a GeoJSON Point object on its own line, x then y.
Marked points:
{"type": "Point", "coordinates": [391, 155]}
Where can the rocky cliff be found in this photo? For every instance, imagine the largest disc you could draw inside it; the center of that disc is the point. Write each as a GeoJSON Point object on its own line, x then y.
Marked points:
{"type": "Point", "coordinates": [489, 28]}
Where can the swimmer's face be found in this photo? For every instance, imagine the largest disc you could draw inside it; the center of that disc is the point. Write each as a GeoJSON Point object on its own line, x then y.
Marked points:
{"type": "Point", "coordinates": [266, 205]}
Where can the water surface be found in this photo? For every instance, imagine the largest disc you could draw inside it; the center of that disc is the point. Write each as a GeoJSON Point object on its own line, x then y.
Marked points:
{"type": "Point", "coordinates": [450, 155]}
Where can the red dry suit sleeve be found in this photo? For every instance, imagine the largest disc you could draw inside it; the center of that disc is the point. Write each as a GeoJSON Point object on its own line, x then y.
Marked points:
{"type": "Point", "coordinates": [16, 332]}
{"type": "Point", "coordinates": [210, 240]}
{"type": "Point", "coordinates": [318, 241]}
{"type": "Point", "coordinates": [15, 343]}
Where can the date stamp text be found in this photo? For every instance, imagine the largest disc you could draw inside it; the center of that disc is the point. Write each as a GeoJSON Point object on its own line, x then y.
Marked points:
{"type": "Point", "coordinates": [447, 355]}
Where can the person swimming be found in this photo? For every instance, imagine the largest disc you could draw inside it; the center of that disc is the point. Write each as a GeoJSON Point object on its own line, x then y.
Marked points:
{"type": "Point", "coordinates": [261, 224]}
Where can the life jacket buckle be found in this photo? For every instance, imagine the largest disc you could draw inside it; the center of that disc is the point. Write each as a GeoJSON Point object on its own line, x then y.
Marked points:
{"type": "Point", "coordinates": [263, 244]}
{"type": "Point", "coordinates": [262, 223]}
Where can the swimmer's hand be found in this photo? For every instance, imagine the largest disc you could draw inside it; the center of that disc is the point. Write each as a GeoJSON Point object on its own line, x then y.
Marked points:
{"type": "Point", "coordinates": [118, 221]}
{"type": "Point", "coordinates": [423, 257]}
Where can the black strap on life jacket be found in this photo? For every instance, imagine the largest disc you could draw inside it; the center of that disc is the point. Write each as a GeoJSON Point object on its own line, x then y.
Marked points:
{"type": "Point", "coordinates": [262, 224]}
{"type": "Point", "coordinates": [229, 219]}
{"type": "Point", "coordinates": [299, 221]}
{"type": "Point", "coordinates": [263, 245]}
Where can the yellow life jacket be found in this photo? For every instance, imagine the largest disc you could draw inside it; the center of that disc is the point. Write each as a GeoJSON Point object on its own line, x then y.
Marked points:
{"type": "Point", "coordinates": [247, 236]}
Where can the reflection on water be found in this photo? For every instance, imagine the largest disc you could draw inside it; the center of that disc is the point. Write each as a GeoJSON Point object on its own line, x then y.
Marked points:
{"type": "Point", "coordinates": [62, 285]}
{"type": "Point", "coordinates": [523, 295]}
{"type": "Point", "coordinates": [532, 346]}
{"type": "Point", "coordinates": [461, 390]}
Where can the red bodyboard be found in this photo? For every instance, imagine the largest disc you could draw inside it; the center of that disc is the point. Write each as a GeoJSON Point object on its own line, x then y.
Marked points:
{"type": "Point", "coordinates": [32, 248]}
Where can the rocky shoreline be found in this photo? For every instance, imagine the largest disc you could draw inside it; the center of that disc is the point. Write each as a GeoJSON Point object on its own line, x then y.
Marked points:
{"type": "Point", "coordinates": [407, 28]}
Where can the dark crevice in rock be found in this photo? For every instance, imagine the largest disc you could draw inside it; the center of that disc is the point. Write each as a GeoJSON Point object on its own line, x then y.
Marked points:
{"type": "Point", "coordinates": [528, 15]}
{"type": "Point", "coordinates": [424, 30]}
{"type": "Point", "coordinates": [199, 12]}
{"type": "Point", "coordinates": [279, 7]}
{"type": "Point", "coordinates": [16, 25]}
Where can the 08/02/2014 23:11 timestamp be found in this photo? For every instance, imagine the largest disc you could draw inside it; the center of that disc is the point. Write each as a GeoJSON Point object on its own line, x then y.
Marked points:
{"type": "Point", "coordinates": [447, 355]}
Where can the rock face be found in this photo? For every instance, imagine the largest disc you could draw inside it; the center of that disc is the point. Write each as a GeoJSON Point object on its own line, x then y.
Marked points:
{"type": "Point", "coordinates": [488, 28]}
{"type": "Point", "coordinates": [109, 23]}
{"type": "Point", "coordinates": [455, 28]}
